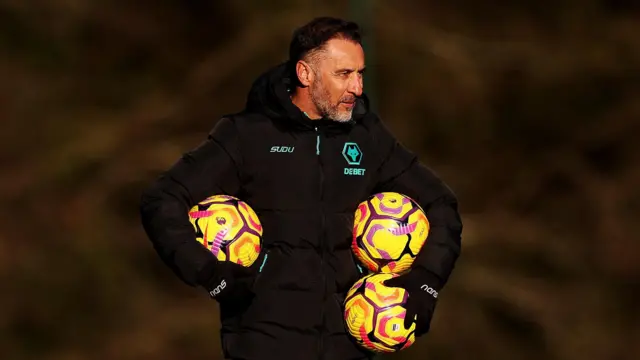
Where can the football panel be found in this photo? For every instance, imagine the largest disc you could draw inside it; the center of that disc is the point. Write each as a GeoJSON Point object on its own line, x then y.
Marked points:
{"type": "Point", "coordinates": [359, 317]}
{"type": "Point", "coordinates": [391, 267]}
{"type": "Point", "coordinates": [226, 218]}
{"type": "Point", "coordinates": [411, 339]}
{"type": "Point", "coordinates": [245, 249]}
{"type": "Point", "coordinates": [362, 255]}
{"type": "Point", "coordinates": [199, 225]}
{"type": "Point", "coordinates": [355, 289]}
{"type": "Point", "coordinates": [220, 215]}
{"type": "Point", "coordinates": [398, 266]}
{"type": "Point", "coordinates": [361, 218]}
{"type": "Point", "coordinates": [218, 199]}
{"type": "Point", "coordinates": [250, 217]}
{"type": "Point", "coordinates": [384, 239]}
{"type": "Point", "coordinates": [215, 226]}
{"type": "Point", "coordinates": [390, 329]}
{"type": "Point", "coordinates": [383, 296]}
{"type": "Point", "coordinates": [421, 232]}
{"type": "Point", "coordinates": [199, 233]}
{"type": "Point", "coordinates": [194, 221]}
{"type": "Point", "coordinates": [390, 204]}
{"type": "Point", "coordinates": [221, 256]}
{"type": "Point", "coordinates": [379, 346]}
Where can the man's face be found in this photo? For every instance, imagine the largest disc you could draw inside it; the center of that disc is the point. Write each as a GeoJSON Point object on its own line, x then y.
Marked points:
{"type": "Point", "coordinates": [338, 79]}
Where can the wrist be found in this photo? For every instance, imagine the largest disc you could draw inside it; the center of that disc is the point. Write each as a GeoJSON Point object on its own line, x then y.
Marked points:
{"type": "Point", "coordinates": [206, 274]}
{"type": "Point", "coordinates": [425, 280]}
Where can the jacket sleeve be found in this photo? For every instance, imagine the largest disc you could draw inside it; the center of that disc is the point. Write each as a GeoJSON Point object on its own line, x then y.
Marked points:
{"type": "Point", "coordinates": [402, 172]}
{"type": "Point", "coordinates": [209, 169]}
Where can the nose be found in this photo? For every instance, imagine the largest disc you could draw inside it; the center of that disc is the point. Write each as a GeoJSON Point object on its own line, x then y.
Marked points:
{"type": "Point", "coordinates": [355, 84]}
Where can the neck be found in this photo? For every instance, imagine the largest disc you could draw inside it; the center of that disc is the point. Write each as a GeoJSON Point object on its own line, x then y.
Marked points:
{"type": "Point", "coordinates": [302, 100]}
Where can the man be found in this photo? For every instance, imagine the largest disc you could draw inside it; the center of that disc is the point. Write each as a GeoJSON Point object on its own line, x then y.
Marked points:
{"type": "Point", "coordinates": [288, 305]}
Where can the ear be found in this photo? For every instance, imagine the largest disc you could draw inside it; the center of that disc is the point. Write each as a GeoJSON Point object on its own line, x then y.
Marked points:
{"type": "Point", "coordinates": [304, 72]}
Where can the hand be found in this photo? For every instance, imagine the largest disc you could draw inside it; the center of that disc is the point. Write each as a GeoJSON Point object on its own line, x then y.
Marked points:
{"type": "Point", "coordinates": [225, 280]}
{"type": "Point", "coordinates": [423, 287]}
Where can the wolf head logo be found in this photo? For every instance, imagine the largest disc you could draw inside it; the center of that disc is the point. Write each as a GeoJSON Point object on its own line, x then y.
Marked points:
{"type": "Point", "coordinates": [352, 153]}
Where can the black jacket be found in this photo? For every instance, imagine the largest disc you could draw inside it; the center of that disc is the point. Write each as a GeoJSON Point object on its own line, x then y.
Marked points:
{"type": "Point", "coordinates": [295, 174]}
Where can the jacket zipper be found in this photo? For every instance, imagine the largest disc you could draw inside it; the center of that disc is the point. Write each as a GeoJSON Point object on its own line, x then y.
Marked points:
{"type": "Point", "coordinates": [321, 244]}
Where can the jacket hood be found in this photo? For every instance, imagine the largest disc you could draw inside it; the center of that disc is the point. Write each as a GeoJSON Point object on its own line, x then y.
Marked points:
{"type": "Point", "coordinates": [270, 95]}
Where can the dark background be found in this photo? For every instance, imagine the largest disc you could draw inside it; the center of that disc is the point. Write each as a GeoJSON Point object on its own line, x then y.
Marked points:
{"type": "Point", "coordinates": [528, 109]}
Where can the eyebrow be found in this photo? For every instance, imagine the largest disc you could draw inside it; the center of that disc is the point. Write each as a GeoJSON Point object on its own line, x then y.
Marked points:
{"type": "Point", "coordinates": [350, 70]}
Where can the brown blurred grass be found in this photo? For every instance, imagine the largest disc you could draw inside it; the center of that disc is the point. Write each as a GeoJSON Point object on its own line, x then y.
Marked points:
{"type": "Point", "coordinates": [527, 109]}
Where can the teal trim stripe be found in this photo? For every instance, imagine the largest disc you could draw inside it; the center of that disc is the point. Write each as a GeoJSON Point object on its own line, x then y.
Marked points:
{"type": "Point", "coordinates": [317, 141]}
{"type": "Point", "coordinates": [264, 261]}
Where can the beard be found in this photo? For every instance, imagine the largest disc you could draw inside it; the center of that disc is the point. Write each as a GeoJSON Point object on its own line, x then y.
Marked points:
{"type": "Point", "coordinates": [321, 98]}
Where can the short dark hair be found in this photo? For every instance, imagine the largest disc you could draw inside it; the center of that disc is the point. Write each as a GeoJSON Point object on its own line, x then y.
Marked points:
{"type": "Point", "coordinates": [316, 33]}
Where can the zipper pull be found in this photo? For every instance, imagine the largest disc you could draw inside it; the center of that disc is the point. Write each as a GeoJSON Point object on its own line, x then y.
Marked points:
{"type": "Point", "coordinates": [317, 141]}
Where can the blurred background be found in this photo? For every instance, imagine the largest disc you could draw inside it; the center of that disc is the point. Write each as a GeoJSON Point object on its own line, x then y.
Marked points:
{"type": "Point", "coordinates": [529, 109]}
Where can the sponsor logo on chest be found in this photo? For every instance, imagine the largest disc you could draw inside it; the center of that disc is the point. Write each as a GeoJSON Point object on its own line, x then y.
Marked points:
{"type": "Point", "coordinates": [350, 152]}
{"type": "Point", "coordinates": [353, 155]}
{"type": "Point", "coordinates": [282, 149]}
